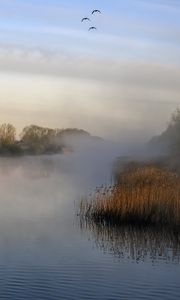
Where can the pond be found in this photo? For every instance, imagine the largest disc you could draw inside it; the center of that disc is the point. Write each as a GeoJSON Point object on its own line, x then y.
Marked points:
{"type": "Point", "coordinates": [47, 253]}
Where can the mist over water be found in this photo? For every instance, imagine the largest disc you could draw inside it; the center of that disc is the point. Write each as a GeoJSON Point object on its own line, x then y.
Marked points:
{"type": "Point", "coordinates": [44, 254]}
{"type": "Point", "coordinates": [35, 186]}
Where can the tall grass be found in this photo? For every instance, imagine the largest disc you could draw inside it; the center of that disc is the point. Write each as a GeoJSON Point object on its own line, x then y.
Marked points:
{"type": "Point", "coordinates": [142, 195]}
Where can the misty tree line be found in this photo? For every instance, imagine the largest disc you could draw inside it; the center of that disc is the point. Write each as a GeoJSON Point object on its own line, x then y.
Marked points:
{"type": "Point", "coordinates": [169, 141]}
{"type": "Point", "coordinates": [35, 139]}
{"type": "Point", "coordinates": [41, 140]}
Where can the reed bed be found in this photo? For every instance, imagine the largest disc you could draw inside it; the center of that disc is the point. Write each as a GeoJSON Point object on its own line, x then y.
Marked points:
{"type": "Point", "coordinates": [142, 195]}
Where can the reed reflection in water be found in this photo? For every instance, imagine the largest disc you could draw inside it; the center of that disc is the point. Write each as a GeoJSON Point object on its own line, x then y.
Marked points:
{"type": "Point", "coordinates": [136, 243]}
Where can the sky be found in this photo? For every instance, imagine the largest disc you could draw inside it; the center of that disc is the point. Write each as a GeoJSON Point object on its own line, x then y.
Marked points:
{"type": "Point", "coordinates": [119, 82]}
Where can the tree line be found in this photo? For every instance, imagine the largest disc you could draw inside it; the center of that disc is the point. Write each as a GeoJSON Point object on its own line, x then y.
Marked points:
{"type": "Point", "coordinates": [43, 140]}
{"type": "Point", "coordinates": [36, 139]}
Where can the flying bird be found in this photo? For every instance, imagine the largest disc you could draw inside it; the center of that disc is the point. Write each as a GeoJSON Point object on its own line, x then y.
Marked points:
{"type": "Point", "coordinates": [85, 19]}
{"type": "Point", "coordinates": [92, 28]}
{"type": "Point", "coordinates": [96, 11]}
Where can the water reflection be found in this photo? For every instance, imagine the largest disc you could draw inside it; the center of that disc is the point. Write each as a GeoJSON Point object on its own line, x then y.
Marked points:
{"type": "Point", "coordinates": [135, 243]}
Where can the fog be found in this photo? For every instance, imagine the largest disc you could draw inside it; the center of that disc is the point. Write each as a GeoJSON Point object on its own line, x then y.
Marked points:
{"type": "Point", "coordinates": [40, 186]}
{"type": "Point", "coordinates": [40, 196]}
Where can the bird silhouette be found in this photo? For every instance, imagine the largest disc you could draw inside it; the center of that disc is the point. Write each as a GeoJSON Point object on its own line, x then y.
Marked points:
{"type": "Point", "coordinates": [85, 19]}
{"type": "Point", "coordinates": [96, 11]}
{"type": "Point", "coordinates": [92, 28]}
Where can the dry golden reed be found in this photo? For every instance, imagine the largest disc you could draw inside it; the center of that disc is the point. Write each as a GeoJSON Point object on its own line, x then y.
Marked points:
{"type": "Point", "coordinates": [145, 194]}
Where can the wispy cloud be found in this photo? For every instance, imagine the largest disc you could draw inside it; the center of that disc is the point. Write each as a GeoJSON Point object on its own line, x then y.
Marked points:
{"type": "Point", "coordinates": [134, 72]}
{"type": "Point", "coordinates": [169, 4]}
{"type": "Point", "coordinates": [112, 98]}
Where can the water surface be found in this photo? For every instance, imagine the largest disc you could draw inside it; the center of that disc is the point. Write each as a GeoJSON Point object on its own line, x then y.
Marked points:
{"type": "Point", "coordinates": [46, 253]}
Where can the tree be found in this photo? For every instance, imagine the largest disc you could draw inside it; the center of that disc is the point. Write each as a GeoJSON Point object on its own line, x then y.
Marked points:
{"type": "Point", "coordinates": [173, 133]}
{"type": "Point", "coordinates": [37, 138]}
{"type": "Point", "coordinates": [67, 136]}
{"type": "Point", "coordinates": [7, 135]}
{"type": "Point", "coordinates": [169, 141]}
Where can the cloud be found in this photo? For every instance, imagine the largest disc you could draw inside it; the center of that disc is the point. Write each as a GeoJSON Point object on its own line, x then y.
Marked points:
{"type": "Point", "coordinates": [161, 5]}
{"type": "Point", "coordinates": [112, 98]}
{"type": "Point", "coordinates": [116, 71]}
